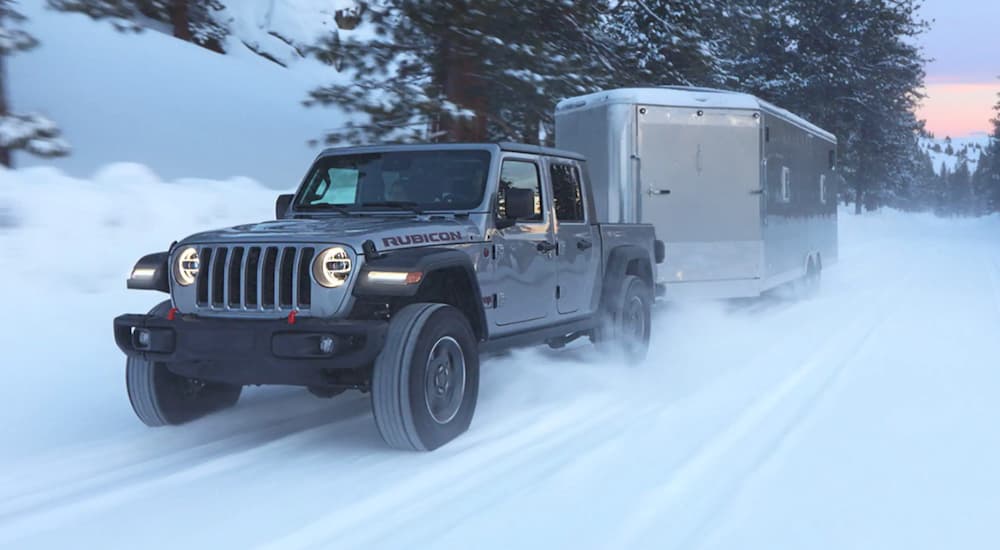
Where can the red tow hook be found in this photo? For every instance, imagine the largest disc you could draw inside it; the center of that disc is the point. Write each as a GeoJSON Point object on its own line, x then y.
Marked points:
{"type": "Point", "coordinates": [172, 314]}
{"type": "Point", "coordinates": [291, 317]}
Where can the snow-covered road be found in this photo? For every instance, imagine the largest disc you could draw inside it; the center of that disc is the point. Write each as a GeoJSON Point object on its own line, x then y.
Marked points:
{"type": "Point", "coordinates": [863, 418]}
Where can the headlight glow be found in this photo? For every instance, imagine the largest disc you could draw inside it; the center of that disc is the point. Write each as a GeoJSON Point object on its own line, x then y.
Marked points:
{"type": "Point", "coordinates": [331, 267]}
{"type": "Point", "coordinates": [186, 266]}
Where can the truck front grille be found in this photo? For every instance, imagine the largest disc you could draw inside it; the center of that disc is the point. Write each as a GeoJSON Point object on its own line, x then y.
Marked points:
{"type": "Point", "coordinates": [254, 278]}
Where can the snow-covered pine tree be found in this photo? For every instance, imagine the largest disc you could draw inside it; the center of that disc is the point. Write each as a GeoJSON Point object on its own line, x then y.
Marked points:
{"type": "Point", "coordinates": [669, 42]}
{"type": "Point", "coordinates": [988, 171]}
{"type": "Point", "coordinates": [960, 196]}
{"type": "Point", "coordinates": [851, 66]}
{"type": "Point", "coordinates": [455, 70]}
{"type": "Point", "coordinates": [30, 132]}
{"type": "Point", "coordinates": [201, 22]}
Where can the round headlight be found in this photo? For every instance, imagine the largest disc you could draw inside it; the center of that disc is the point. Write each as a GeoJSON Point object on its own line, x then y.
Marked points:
{"type": "Point", "coordinates": [331, 267]}
{"type": "Point", "coordinates": [186, 266]}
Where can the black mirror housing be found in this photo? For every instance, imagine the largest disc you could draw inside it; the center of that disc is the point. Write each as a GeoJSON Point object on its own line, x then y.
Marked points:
{"type": "Point", "coordinates": [282, 205]}
{"type": "Point", "coordinates": [519, 204]}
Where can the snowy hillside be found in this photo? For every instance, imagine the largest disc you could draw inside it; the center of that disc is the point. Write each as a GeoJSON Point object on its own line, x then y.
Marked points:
{"type": "Point", "coordinates": [967, 148]}
{"type": "Point", "coordinates": [176, 107]}
{"type": "Point", "coordinates": [862, 418]}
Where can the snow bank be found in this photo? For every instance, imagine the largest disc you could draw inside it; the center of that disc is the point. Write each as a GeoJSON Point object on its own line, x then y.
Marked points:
{"type": "Point", "coordinates": [85, 234]}
{"type": "Point", "coordinates": [173, 106]}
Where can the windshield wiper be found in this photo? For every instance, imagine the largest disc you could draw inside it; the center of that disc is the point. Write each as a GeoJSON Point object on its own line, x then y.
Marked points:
{"type": "Point", "coordinates": [398, 205]}
{"type": "Point", "coordinates": [340, 208]}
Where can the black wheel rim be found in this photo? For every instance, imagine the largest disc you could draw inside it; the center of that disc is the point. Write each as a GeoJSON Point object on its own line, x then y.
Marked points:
{"type": "Point", "coordinates": [444, 380]}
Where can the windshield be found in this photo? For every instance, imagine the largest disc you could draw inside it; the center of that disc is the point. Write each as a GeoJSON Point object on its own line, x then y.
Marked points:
{"type": "Point", "coordinates": [418, 180]}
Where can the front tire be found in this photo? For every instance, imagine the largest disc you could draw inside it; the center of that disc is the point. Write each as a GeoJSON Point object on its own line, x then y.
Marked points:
{"type": "Point", "coordinates": [160, 397]}
{"type": "Point", "coordinates": [425, 382]}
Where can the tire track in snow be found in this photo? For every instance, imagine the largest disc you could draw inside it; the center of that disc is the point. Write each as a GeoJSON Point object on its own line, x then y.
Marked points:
{"type": "Point", "coordinates": [502, 477]}
{"type": "Point", "coordinates": [688, 498]}
{"type": "Point", "coordinates": [28, 514]}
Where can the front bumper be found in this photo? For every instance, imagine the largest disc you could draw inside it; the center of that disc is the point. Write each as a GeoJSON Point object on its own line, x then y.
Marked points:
{"type": "Point", "coordinates": [245, 351]}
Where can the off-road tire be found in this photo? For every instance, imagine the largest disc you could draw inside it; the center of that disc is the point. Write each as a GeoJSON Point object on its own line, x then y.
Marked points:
{"type": "Point", "coordinates": [625, 325]}
{"type": "Point", "coordinates": [425, 382]}
{"type": "Point", "coordinates": [161, 398]}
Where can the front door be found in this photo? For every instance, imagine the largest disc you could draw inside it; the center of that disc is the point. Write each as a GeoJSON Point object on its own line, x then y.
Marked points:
{"type": "Point", "coordinates": [576, 258]}
{"type": "Point", "coordinates": [525, 251]}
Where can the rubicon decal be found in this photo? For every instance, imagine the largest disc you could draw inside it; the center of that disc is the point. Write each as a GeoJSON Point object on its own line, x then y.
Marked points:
{"type": "Point", "coordinates": [422, 238]}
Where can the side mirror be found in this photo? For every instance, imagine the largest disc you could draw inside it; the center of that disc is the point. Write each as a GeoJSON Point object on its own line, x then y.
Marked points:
{"type": "Point", "coordinates": [519, 204]}
{"type": "Point", "coordinates": [282, 205]}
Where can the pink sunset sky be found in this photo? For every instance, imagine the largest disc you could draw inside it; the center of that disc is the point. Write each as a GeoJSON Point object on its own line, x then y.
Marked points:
{"type": "Point", "coordinates": [962, 79]}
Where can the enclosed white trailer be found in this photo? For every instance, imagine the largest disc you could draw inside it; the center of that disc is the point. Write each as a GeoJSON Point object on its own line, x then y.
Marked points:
{"type": "Point", "coordinates": [742, 193]}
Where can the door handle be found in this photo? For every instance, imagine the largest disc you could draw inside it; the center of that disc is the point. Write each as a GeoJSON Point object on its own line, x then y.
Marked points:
{"type": "Point", "coordinates": [545, 247]}
{"type": "Point", "coordinates": [653, 191]}
{"type": "Point", "coordinates": [757, 191]}
{"type": "Point", "coordinates": [584, 244]}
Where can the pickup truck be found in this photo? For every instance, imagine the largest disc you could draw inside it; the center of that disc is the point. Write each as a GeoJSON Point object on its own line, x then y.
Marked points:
{"type": "Point", "coordinates": [390, 271]}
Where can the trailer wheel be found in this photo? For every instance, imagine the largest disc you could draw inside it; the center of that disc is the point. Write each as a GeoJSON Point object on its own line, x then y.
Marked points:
{"type": "Point", "coordinates": [625, 328]}
{"type": "Point", "coordinates": [425, 383]}
{"type": "Point", "coordinates": [809, 285]}
{"type": "Point", "coordinates": [161, 398]}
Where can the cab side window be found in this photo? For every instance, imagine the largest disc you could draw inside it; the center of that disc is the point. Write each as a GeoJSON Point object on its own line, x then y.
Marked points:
{"type": "Point", "coordinates": [520, 174]}
{"type": "Point", "coordinates": [566, 192]}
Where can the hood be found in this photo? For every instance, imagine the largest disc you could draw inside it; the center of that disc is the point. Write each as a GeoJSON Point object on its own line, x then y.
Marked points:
{"type": "Point", "coordinates": [386, 231]}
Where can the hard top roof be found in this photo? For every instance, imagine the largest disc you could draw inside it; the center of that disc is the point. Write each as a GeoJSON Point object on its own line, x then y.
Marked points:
{"type": "Point", "coordinates": [490, 146]}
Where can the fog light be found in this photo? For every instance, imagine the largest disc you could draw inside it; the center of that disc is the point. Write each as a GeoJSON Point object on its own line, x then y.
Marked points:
{"type": "Point", "coordinates": [142, 338]}
{"type": "Point", "coordinates": [326, 344]}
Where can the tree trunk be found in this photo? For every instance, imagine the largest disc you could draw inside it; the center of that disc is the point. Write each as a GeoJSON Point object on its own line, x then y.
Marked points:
{"type": "Point", "coordinates": [858, 198]}
{"type": "Point", "coordinates": [180, 20]}
{"type": "Point", "coordinates": [6, 158]}
{"type": "Point", "coordinates": [462, 86]}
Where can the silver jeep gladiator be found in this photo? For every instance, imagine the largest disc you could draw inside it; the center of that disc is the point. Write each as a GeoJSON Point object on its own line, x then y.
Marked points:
{"type": "Point", "coordinates": [390, 271]}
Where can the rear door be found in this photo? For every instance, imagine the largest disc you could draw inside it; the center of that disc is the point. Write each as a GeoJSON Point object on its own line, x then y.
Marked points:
{"type": "Point", "coordinates": [576, 258]}
{"type": "Point", "coordinates": [699, 177]}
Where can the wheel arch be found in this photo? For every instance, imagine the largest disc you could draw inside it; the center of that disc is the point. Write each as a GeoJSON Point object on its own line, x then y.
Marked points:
{"type": "Point", "coordinates": [448, 277]}
{"type": "Point", "coordinates": [625, 260]}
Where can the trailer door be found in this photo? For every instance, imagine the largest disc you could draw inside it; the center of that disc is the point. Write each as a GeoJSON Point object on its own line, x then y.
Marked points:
{"type": "Point", "coordinates": [699, 185]}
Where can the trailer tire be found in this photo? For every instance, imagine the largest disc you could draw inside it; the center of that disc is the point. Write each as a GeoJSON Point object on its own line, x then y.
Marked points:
{"type": "Point", "coordinates": [425, 382]}
{"type": "Point", "coordinates": [809, 285]}
{"type": "Point", "coordinates": [160, 397]}
{"type": "Point", "coordinates": [625, 328]}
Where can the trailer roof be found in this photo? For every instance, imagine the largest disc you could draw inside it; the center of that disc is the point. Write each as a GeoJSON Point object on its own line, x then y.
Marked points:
{"type": "Point", "coordinates": [689, 96]}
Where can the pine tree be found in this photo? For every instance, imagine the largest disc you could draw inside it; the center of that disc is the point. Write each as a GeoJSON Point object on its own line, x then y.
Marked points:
{"type": "Point", "coordinates": [960, 190]}
{"type": "Point", "coordinates": [850, 66]}
{"type": "Point", "coordinates": [461, 70]}
{"type": "Point", "coordinates": [669, 42]}
{"type": "Point", "coordinates": [201, 22]}
{"type": "Point", "coordinates": [30, 132]}
{"type": "Point", "coordinates": [988, 171]}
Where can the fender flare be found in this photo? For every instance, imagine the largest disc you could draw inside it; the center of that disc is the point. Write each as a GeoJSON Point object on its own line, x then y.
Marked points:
{"type": "Point", "coordinates": [158, 268]}
{"type": "Point", "coordinates": [427, 261]}
{"type": "Point", "coordinates": [617, 267]}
